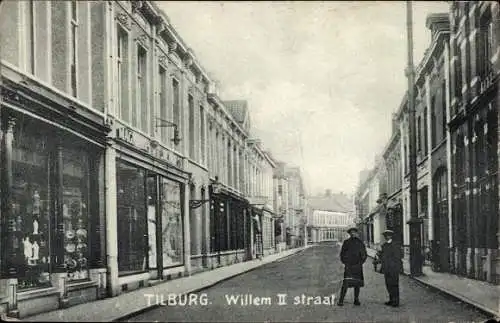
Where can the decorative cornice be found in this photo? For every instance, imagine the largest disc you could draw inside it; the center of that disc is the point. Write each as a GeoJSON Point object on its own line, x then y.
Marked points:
{"type": "Point", "coordinates": [136, 5]}
{"type": "Point", "coordinates": [160, 26]}
{"type": "Point", "coordinates": [172, 47]}
{"type": "Point", "coordinates": [162, 59]}
{"type": "Point", "coordinates": [143, 38]}
{"type": "Point", "coordinates": [123, 19]}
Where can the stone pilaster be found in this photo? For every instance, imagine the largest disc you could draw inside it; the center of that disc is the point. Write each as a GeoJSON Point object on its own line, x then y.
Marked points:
{"type": "Point", "coordinates": [111, 220]}
{"type": "Point", "coordinates": [428, 130]}
{"type": "Point", "coordinates": [187, 230]}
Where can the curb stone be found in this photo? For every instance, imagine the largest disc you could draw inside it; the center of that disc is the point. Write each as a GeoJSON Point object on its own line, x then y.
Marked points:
{"type": "Point", "coordinates": [492, 314]}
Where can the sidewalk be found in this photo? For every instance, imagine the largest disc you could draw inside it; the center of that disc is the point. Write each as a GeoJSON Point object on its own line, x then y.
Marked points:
{"type": "Point", "coordinates": [124, 305]}
{"type": "Point", "coordinates": [479, 294]}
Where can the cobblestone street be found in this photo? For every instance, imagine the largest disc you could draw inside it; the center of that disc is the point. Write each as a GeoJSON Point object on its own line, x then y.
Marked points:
{"type": "Point", "coordinates": [314, 272]}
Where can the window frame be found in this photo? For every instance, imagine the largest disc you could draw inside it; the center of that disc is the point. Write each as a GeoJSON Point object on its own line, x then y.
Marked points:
{"type": "Point", "coordinates": [73, 15]}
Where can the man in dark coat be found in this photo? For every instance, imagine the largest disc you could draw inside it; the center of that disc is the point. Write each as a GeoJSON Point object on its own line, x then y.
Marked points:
{"type": "Point", "coordinates": [353, 255]}
{"type": "Point", "coordinates": [391, 267]}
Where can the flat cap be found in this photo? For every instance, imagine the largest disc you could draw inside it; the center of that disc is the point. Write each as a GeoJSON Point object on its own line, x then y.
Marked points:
{"type": "Point", "coordinates": [352, 229]}
{"type": "Point", "coordinates": [388, 233]}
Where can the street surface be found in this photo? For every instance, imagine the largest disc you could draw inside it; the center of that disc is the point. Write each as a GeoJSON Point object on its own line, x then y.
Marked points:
{"type": "Point", "coordinates": [308, 279]}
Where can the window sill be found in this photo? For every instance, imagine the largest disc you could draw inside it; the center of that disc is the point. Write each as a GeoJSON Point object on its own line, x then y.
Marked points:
{"type": "Point", "coordinates": [35, 293]}
{"type": "Point", "coordinates": [78, 285]}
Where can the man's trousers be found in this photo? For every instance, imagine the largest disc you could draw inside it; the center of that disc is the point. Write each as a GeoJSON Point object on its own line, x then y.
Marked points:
{"type": "Point", "coordinates": [392, 285]}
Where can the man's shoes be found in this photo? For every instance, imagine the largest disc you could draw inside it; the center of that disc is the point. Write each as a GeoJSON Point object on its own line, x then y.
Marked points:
{"type": "Point", "coordinates": [340, 303]}
{"type": "Point", "coordinates": [395, 304]}
{"type": "Point", "coordinates": [356, 302]}
{"type": "Point", "coordinates": [389, 303]}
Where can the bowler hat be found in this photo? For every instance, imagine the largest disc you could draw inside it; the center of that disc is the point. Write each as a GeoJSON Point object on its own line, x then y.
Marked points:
{"type": "Point", "coordinates": [388, 233]}
{"type": "Point", "coordinates": [352, 229]}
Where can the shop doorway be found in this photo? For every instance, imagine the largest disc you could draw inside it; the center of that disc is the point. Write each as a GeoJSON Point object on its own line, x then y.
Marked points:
{"type": "Point", "coordinates": [440, 245]}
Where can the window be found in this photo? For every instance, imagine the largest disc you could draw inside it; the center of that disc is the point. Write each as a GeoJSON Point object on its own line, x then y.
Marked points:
{"type": "Point", "coordinates": [486, 45]}
{"type": "Point", "coordinates": [162, 102]}
{"type": "Point", "coordinates": [132, 226]}
{"type": "Point", "coordinates": [31, 209]}
{"type": "Point", "coordinates": [229, 165]}
{"type": "Point", "coordinates": [433, 123]}
{"type": "Point", "coordinates": [191, 127]}
{"type": "Point", "coordinates": [405, 148]}
{"type": "Point", "coordinates": [423, 202]}
{"type": "Point", "coordinates": [75, 213]}
{"type": "Point", "coordinates": [39, 164]}
{"type": "Point", "coordinates": [73, 49]}
{"type": "Point", "coordinates": [425, 133]}
{"type": "Point", "coordinates": [444, 124]}
{"type": "Point", "coordinates": [202, 135]}
{"type": "Point", "coordinates": [121, 74]}
{"type": "Point", "coordinates": [176, 103]}
{"type": "Point", "coordinates": [419, 134]}
{"type": "Point", "coordinates": [141, 107]}
{"type": "Point", "coordinates": [30, 37]}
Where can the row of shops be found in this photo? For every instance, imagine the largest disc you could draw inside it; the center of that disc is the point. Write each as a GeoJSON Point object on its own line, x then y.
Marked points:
{"type": "Point", "coordinates": [87, 213]}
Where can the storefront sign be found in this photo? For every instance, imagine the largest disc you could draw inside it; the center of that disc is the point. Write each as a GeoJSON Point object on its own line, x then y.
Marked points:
{"type": "Point", "coordinates": [125, 134]}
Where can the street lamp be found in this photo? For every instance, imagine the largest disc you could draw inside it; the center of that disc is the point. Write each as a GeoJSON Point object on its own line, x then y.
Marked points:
{"type": "Point", "coordinates": [162, 123]}
{"type": "Point", "coordinates": [194, 204]}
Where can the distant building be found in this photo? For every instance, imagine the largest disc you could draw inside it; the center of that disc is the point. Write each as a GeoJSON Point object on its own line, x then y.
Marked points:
{"type": "Point", "coordinates": [330, 215]}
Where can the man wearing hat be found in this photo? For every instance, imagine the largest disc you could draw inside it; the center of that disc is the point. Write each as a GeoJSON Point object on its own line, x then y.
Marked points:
{"type": "Point", "coordinates": [353, 255]}
{"type": "Point", "coordinates": [391, 267]}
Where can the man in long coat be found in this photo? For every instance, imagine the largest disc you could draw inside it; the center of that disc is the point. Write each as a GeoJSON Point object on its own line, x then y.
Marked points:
{"type": "Point", "coordinates": [353, 255]}
{"type": "Point", "coordinates": [391, 267]}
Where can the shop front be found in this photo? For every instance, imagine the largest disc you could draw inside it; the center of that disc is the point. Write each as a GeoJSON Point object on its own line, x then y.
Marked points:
{"type": "Point", "coordinates": [52, 190]}
{"type": "Point", "coordinates": [229, 228]}
{"type": "Point", "coordinates": [151, 229]}
{"type": "Point", "coordinates": [257, 227]}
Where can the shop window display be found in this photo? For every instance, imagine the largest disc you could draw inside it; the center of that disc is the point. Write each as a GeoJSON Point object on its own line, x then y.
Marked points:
{"type": "Point", "coordinates": [132, 217]}
{"type": "Point", "coordinates": [75, 213]}
{"type": "Point", "coordinates": [30, 209]}
{"type": "Point", "coordinates": [172, 226]}
{"type": "Point", "coordinates": [151, 185]}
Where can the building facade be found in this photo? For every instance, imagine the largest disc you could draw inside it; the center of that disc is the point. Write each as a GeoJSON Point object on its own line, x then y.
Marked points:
{"type": "Point", "coordinates": [473, 125]}
{"type": "Point", "coordinates": [391, 197]}
{"type": "Point", "coordinates": [296, 210]}
{"type": "Point", "coordinates": [121, 166]}
{"type": "Point", "coordinates": [53, 149]}
{"type": "Point", "coordinates": [329, 217]}
{"type": "Point", "coordinates": [457, 144]}
{"type": "Point", "coordinates": [281, 204]}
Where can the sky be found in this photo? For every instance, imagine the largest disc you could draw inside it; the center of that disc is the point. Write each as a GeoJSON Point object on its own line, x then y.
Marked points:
{"type": "Point", "coordinates": [326, 76]}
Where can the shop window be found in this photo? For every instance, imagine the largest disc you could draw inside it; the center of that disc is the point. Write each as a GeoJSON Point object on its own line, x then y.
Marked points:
{"type": "Point", "coordinates": [172, 225]}
{"type": "Point", "coordinates": [30, 209]}
{"type": "Point", "coordinates": [36, 195]}
{"type": "Point", "coordinates": [152, 220]}
{"type": "Point", "coordinates": [75, 213]}
{"type": "Point", "coordinates": [132, 229]}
